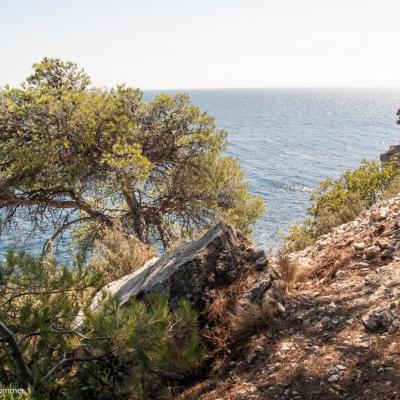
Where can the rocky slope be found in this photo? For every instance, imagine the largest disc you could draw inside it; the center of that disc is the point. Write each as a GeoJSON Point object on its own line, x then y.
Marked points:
{"type": "Point", "coordinates": [340, 335]}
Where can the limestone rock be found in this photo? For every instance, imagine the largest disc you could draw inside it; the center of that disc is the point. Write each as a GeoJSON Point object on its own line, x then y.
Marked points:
{"type": "Point", "coordinates": [195, 271]}
{"type": "Point", "coordinates": [359, 246]}
{"type": "Point", "coordinates": [371, 252]}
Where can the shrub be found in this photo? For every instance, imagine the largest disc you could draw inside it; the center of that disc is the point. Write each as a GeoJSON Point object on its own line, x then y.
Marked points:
{"type": "Point", "coordinates": [300, 236]}
{"type": "Point", "coordinates": [117, 254]}
{"type": "Point", "coordinates": [120, 352]}
{"type": "Point", "coordinates": [336, 202]}
{"type": "Point", "coordinates": [145, 343]}
{"type": "Point", "coordinates": [39, 301]}
{"type": "Point", "coordinates": [249, 321]}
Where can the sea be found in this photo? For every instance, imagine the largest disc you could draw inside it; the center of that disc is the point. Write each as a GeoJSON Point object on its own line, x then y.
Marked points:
{"type": "Point", "coordinates": [287, 141]}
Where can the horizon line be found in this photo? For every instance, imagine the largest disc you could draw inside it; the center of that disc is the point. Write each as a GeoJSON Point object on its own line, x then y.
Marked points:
{"type": "Point", "coordinates": [271, 88]}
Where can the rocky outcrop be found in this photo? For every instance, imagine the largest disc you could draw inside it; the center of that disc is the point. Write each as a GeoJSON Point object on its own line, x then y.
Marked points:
{"type": "Point", "coordinates": [198, 270]}
{"type": "Point", "coordinates": [339, 337]}
{"type": "Point", "coordinates": [387, 155]}
{"type": "Point", "coordinates": [372, 239]}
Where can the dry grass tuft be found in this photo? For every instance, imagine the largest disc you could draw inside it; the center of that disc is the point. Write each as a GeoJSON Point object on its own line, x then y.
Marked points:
{"type": "Point", "coordinates": [247, 323]}
{"type": "Point", "coordinates": [289, 269]}
{"type": "Point", "coordinates": [393, 189]}
{"type": "Point", "coordinates": [117, 254]}
{"type": "Point", "coordinates": [228, 322]}
{"type": "Point", "coordinates": [222, 314]}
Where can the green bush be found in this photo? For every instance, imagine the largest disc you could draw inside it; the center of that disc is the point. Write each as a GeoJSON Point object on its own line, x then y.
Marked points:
{"type": "Point", "coordinates": [336, 202]}
{"type": "Point", "coordinates": [119, 352]}
{"type": "Point", "coordinates": [39, 301]}
{"type": "Point", "coordinates": [145, 343]}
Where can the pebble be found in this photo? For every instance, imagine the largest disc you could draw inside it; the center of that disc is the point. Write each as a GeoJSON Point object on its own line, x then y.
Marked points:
{"type": "Point", "coordinates": [285, 347]}
{"type": "Point", "coordinates": [387, 253]}
{"type": "Point", "coordinates": [359, 246]}
{"type": "Point", "coordinates": [371, 252]}
{"type": "Point", "coordinates": [333, 378]}
{"type": "Point", "coordinates": [259, 349]}
{"type": "Point", "coordinates": [250, 358]}
{"type": "Point", "coordinates": [332, 305]}
{"type": "Point", "coordinates": [325, 321]}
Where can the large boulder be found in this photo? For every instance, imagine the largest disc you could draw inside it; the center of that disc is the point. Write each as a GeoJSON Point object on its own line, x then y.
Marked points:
{"type": "Point", "coordinates": [199, 270]}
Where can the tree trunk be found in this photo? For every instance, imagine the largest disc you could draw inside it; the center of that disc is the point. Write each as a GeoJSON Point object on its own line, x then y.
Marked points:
{"type": "Point", "coordinates": [9, 337]}
{"type": "Point", "coordinates": [139, 224]}
{"type": "Point", "coordinates": [165, 234]}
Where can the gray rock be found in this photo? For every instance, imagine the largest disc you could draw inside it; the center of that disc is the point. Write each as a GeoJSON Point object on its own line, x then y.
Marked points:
{"type": "Point", "coordinates": [332, 305]}
{"type": "Point", "coordinates": [286, 347]}
{"type": "Point", "coordinates": [333, 378]}
{"type": "Point", "coordinates": [307, 322]}
{"type": "Point", "coordinates": [260, 349]}
{"type": "Point", "coordinates": [359, 246]}
{"type": "Point", "coordinates": [326, 322]}
{"type": "Point", "coordinates": [250, 358]}
{"type": "Point", "coordinates": [387, 253]}
{"type": "Point", "coordinates": [384, 319]}
{"type": "Point", "coordinates": [195, 271]}
{"type": "Point", "coordinates": [371, 252]}
{"type": "Point", "coordinates": [388, 154]}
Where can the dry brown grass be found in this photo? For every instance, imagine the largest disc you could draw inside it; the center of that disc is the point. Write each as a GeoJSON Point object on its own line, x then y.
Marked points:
{"type": "Point", "coordinates": [248, 322]}
{"type": "Point", "coordinates": [290, 272]}
{"type": "Point", "coordinates": [393, 189]}
{"type": "Point", "coordinates": [222, 313]}
{"type": "Point", "coordinates": [230, 324]}
{"type": "Point", "coordinates": [117, 254]}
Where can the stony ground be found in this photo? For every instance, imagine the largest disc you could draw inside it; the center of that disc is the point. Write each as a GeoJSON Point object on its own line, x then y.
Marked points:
{"type": "Point", "coordinates": [340, 335]}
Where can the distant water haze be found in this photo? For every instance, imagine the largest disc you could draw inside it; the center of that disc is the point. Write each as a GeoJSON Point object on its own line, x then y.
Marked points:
{"type": "Point", "coordinates": [288, 140]}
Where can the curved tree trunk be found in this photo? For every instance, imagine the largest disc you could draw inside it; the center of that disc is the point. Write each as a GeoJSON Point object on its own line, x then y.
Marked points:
{"type": "Point", "coordinates": [139, 223]}
{"type": "Point", "coordinates": [8, 336]}
{"type": "Point", "coordinates": [165, 234]}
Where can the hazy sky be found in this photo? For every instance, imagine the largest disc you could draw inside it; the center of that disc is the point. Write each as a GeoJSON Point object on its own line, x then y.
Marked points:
{"type": "Point", "coordinates": [207, 43]}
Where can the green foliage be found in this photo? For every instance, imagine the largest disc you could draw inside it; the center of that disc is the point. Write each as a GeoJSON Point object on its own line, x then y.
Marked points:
{"type": "Point", "coordinates": [145, 341]}
{"type": "Point", "coordinates": [39, 301]}
{"type": "Point", "coordinates": [336, 202]}
{"type": "Point", "coordinates": [68, 148]}
{"type": "Point", "coordinates": [119, 352]}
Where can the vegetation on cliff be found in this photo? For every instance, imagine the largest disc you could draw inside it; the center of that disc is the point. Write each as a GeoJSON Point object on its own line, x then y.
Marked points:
{"type": "Point", "coordinates": [337, 201]}
{"type": "Point", "coordinates": [75, 154]}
